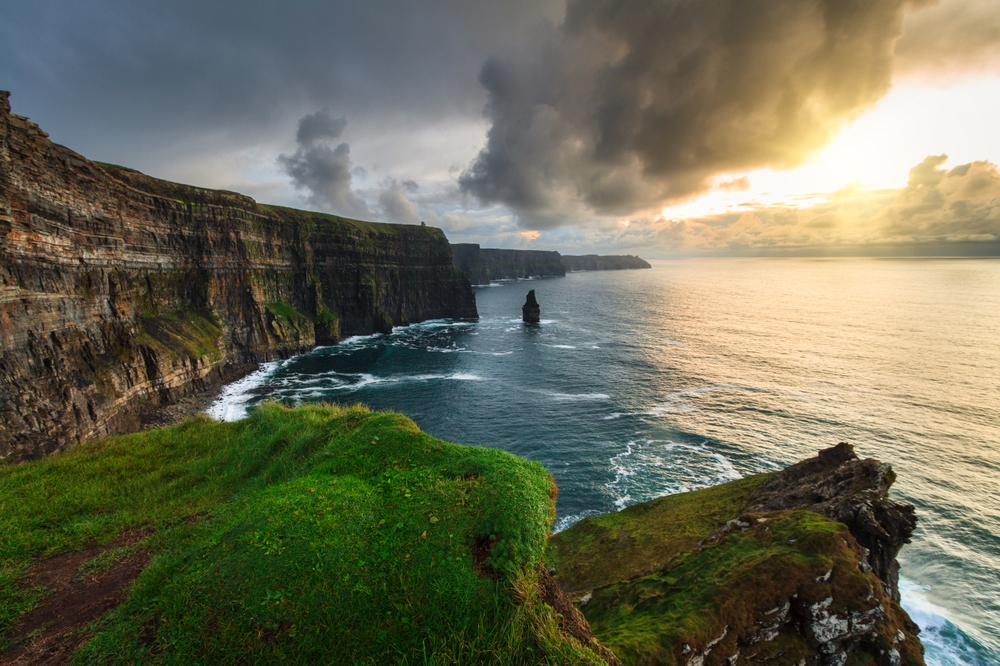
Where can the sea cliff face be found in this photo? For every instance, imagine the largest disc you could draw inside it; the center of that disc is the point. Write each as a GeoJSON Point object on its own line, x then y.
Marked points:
{"type": "Point", "coordinates": [121, 293]}
{"type": "Point", "coordinates": [594, 262]}
{"type": "Point", "coordinates": [483, 265]}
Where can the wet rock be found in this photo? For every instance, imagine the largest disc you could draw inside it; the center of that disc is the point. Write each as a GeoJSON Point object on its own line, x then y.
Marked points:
{"type": "Point", "coordinates": [530, 312]}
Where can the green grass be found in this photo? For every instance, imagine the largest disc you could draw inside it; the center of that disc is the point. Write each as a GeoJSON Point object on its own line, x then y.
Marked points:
{"type": "Point", "coordinates": [668, 574]}
{"type": "Point", "coordinates": [643, 537]}
{"type": "Point", "coordinates": [286, 313]}
{"type": "Point", "coordinates": [327, 535]}
{"type": "Point", "coordinates": [181, 333]}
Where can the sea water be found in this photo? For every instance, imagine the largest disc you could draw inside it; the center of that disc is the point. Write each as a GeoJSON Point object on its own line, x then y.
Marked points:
{"type": "Point", "coordinates": [642, 383]}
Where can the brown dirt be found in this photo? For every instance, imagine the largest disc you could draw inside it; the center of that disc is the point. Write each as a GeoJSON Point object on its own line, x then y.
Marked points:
{"type": "Point", "coordinates": [481, 549]}
{"type": "Point", "coordinates": [53, 630]}
{"type": "Point", "coordinates": [571, 620]}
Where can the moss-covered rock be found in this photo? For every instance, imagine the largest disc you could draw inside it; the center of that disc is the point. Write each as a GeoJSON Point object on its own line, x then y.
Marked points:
{"type": "Point", "coordinates": [698, 579]}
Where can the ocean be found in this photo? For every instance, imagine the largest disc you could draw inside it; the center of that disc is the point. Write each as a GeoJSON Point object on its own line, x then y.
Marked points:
{"type": "Point", "coordinates": [643, 383]}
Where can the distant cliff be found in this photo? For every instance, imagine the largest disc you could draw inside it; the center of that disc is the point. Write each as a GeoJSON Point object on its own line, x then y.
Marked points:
{"type": "Point", "coordinates": [120, 293]}
{"type": "Point", "coordinates": [593, 262]}
{"type": "Point", "coordinates": [484, 264]}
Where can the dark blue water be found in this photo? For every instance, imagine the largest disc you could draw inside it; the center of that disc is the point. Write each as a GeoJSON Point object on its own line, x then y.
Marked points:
{"type": "Point", "coordinates": [638, 384]}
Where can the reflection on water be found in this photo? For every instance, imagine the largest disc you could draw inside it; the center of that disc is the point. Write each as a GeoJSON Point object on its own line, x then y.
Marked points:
{"type": "Point", "coordinates": [642, 383]}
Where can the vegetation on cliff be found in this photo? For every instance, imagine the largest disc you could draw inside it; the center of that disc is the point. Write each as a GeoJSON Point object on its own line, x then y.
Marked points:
{"type": "Point", "coordinates": [315, 535]}
{"type": "Point", "coordinates": [698, 579]}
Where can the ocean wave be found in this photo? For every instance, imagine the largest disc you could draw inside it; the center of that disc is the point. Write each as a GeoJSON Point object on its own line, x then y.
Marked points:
{"type": "Point", "coordinates": [679, 401]}
{"type": "Point", "coordinates": [945, 644]}
{"type": "Point", "coordinates": [578, 397]}
{"type": "Point", "coordinates": [234, 399]}
{"type": "Point", "coordinates": [566, 522]}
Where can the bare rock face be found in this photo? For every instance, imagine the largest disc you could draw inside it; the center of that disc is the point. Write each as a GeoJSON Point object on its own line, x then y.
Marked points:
{"type": "Point", "coordinates": [839, 485]}
{"type": "Point", "coordinates": [531, 313]}
{"type": "Point", "coordinates": [121, 294]}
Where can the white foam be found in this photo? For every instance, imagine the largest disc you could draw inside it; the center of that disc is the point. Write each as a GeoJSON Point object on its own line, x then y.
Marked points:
{"type": "Point", "coordinates": [233, 401]}
{"type": "Point", "coordinates": [675, 343]}
{"type": "Point", "coordinates": [579, 397]}
{"type": "Point", "coordinates": [679, 401]}
{"type": "Point", "coordinates": [561, 346]}
{"type": "Point", "coordinates": [566, 522]}
{"type": "Point", "coordinates": [612, 416]}
{"type": "Point", "coordinates": [945, 643]}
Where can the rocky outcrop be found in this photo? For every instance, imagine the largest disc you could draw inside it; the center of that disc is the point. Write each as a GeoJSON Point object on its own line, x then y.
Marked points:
{"type": "Point", "coordinates": [855, 492]}
{"type": "Point", "coordinates": [594, 262]}
{"type": "Point", "coordinates": [484, 265]}
{"type": "Point", "coordinates": [121, 293]}
{"type": "Point", "coordinates": [531, 313]}
{"type": "Point", "coordinates": [791, 568]}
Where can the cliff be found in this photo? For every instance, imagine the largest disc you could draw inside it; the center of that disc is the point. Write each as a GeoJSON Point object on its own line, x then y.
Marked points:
{"type": "Point", "coordinates": [593, 262]}
{"type": "Point", "coordinates": [121, 293]}
{"type": "Point", "coordinates": [483, 265]}
{"type": "Point", "coordinates": [797, 567]}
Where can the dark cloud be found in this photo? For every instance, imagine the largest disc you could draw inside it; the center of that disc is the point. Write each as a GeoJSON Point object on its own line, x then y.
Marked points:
{"type": "Point", "coordinates": [145, 83]}
{"type": "Point", "coordinates": [322, 170]}
{"type": "Point", "coordinates": [319, 125]}
{"type": "Point", "coordinates": [635, 102]}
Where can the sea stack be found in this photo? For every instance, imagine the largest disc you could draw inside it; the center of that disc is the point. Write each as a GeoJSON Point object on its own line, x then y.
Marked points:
{"type": "Point", "coordinates": [530, 312]}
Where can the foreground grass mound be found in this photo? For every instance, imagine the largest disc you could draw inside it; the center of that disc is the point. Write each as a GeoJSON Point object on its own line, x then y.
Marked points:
{"type": "Point", "coordinates": [312, 535]}
{"type": "Point", "coordinates": [696, 579]}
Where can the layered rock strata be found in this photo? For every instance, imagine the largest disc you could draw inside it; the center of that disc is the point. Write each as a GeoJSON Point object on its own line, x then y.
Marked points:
{"type": "Point", "coordinates": [121, 293]}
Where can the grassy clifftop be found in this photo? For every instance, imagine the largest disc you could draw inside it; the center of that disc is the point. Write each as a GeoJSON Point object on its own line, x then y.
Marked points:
{"type": "Point", "coordinates": [315, 535]}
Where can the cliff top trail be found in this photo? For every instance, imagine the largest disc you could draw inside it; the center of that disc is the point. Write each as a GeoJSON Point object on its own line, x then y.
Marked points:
{"type": "Point", "coordinates": [122, 294]}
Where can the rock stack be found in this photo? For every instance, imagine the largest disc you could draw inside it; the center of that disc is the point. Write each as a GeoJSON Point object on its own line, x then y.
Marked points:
{"type": "Point", "coordinates": [530, 312]}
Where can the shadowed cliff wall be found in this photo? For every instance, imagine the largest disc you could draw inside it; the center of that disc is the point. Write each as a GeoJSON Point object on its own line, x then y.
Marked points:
{"type": "Point", "coordinates": [594, 262]}
{"type": "Point", "coordinates": [483, 265]}
{"type": "Point", "coordinates": [121, 293]}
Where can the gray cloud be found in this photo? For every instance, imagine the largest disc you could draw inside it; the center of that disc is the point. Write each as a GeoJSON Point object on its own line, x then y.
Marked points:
{"type": "Point", "coordinates": [159, 84]}
{"type": "Point", "coordinates": [395, 205]}
{"type": "Point", "coordinates": [321, 169]}
{"type": "Point", "coordinates": [951, 37]}
{"type": "Point", "coordinates": [635, 102]}
{"type": "Point", "coordinates": [319, 125]}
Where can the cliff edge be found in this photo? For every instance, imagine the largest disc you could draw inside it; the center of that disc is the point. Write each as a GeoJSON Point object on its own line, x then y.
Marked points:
{"type": "Point", "coordinates": [797, 567]}
{"type": "Point", "coordinates": [121, 293]}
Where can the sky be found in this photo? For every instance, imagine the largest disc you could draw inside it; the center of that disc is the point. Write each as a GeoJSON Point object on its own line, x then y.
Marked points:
{"type": "Point", "coordinates": [654, 127]}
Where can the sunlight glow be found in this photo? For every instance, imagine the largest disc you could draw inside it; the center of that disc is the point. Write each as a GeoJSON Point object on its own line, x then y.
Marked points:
{"type": "Point", "coordinates": [913, 121]}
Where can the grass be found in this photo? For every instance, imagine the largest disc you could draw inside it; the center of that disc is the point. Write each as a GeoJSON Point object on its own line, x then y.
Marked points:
{"type": "Point", "coordinates": [184, 333]}
{"type": "Point", "coordinates": [667, 578]}
{"type": "Point", "coordinates": [620, 546]}
{"type": "Point", "coordinates": [321, 534]}
{"type": "Point", "coordinates": [286, 313]}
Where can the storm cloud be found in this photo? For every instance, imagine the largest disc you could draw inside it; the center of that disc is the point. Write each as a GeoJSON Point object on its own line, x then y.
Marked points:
{"type": "Point", "coordinates": [322, 169]}
{"type": "Point", "coordinates": [632, 103]}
